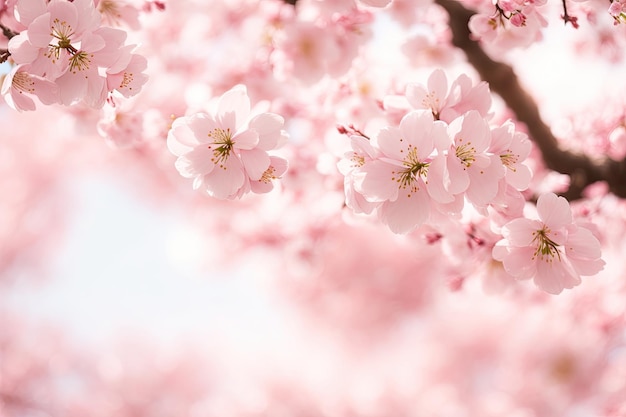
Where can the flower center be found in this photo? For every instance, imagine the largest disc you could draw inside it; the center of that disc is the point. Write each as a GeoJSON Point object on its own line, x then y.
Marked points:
{"type": "Point", "coordinates": [110, 9]}
{"type": "Point", "coordinates": [127, 80]}
{"type": "Point", "coordinates": [80, 61]}
{"type": "Point", "coordinates": [466, 153]}
{"type": "Point", "coordinates": [432, 102]}
{"type": "Point", "coordinates": [269, 175]}
{"type": "Point", "coordinates": [358, 160]}
{"type": "Point", "coordinates": [62, 32]}
{"type": "Point", "coordinates": [547, 249]}
{"type": "Point", "coordinates": [509, 159]}
{"type": "Point", "coordinates": [23, 82]}
{"type": "Point", "coordinates": [222, 145]}
{"type": "Point", "coordinates": [414, 169]}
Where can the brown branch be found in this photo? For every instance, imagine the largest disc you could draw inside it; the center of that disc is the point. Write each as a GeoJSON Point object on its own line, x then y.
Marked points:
{"type": "Point", "coordinates": [503, 81]}
{"type": "Point", "coordinates": [7, 32]}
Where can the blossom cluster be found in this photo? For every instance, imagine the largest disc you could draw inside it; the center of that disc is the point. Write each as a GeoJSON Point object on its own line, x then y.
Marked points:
{"type": "Point", "coordinates": [551, 248]}
{"type": "Point", "coordinates": [436, 159]}
{"type": "Point", "coordinates": [441, 157]}
{"type": "Point", "coordinates": [225, 150]}
{"type": "Point", "coordinates": [65, 55]}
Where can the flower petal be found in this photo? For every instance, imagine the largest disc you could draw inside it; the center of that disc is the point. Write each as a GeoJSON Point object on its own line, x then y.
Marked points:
{"type": "Point", "coordinates": [554, 211]}
{"type": "Point", "coordinates": [233, 107]}
{"type": "Point", "coordinates": [255, 162]}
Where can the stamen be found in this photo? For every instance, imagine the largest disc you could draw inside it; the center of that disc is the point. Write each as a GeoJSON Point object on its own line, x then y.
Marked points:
{"type": "Point", "coordinates": [222, 138]}
{"type": "Point", "coordinates": [415, 169]}
{"type": "Point", "coordinates": [547, 249]}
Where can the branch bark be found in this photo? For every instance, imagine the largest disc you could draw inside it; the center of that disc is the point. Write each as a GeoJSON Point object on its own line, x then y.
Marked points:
{"type": "Point", "coordinates": [503, 81]}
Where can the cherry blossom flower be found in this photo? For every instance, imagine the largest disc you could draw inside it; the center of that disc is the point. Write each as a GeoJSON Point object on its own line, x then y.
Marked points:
{"type": "Point", "coordinates": [469, 168]}
{"type": "Point", "coordinates": [19, 86]}
{"type": "Point", "coordinates": [128, 80]}
{"type": "Point", "coordinates": [445, 104]}
{"type": "Point", "coordinates": [118, 13]}
{"type": "Point", "coordinates": [398, 178]}
{"type": "Point", "coordinates": [349, 166]}
{"type": "Point", "coordinates": [65, 43]}
{"type": "Point", "coordinates": [54, 37]}
{"type": "Point", "coordinates": [552, 250]}
{"type": "Point", "coordinates": [513, 148]}
{"type": "Point", "coordinates": [225, 152]}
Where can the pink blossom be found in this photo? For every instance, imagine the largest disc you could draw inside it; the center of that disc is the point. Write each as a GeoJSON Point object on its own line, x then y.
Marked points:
{"type": "Point", "coordinates": [398, 178]}
{"type": "Point", "coordinates": [362, 152]}
{"type": "Point", "coordinates": [469, 168]}
{"type": "Point", "coordinates": [19, 86]}
{"type": "Point", "coordinates": [225, 151]}
{"type": "Point", "coordinates": [552, 250]}
{"type": "Point", "coordinates": [445, 104]}
{"type": "Point", "coordinates": [118, 13]}
{"type": "Point", "coordinates": [52, 37]}
{"type": "Point", "coordinates": [513, 148]}
{"type": "Point", "coordinates": [130, 79]}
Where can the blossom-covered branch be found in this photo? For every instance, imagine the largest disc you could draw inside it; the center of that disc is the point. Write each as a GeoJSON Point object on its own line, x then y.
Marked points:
{"type": "Point", "coordinates": [503, 81]}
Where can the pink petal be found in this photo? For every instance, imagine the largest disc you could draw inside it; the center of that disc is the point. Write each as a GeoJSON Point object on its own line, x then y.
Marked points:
{"type": "Point", "coordinates": [456, 178]}
{"type": "Point", "coordinates": [248, 139]}
{"type": "Point", "coordinates": [92, 43]}
{"type": "Point", "coordinates": [268, 126]}
{"type": "Point", "coordinates": [201, 125]}
{"type": "Point", "coordinates": [519, 262]}
{"type": "Point", "coordinates": [416, 96]}
{"type": "Point", "coordinates": [39, 31]}
{"type": "Point", "coordinates": [390, 143]}
{"type": "Point", "coordinates": [180, 138]}
{"type": "Point", "coordinates": [552, 277]}
{"type": "Point", "coordinates": [65, 12]}
{"type": "Point", "coordinates": [255, 162]}
{"type": "Point", "coordinates": [195, 163]}
{"type": "Point", "coordinates": [519, 177]}
{"type": "Point", "coordinates": [484, 183]}
{"type": "Point", "coordinates": [406, 213]}
{"type": "Point", "coordinates": [520, 232]}
{"type": "Point", "coordinates": [47, 91]}
{"type": "Point", "coordinates": [233, 107]}
{"type": "Point", "coordinates": [224, 182]}
{"type": "Point", "coordinates": [28, 10]}
{"type": "Point", "coordinates": [416, 128]}
{"type": "Point", "coordinates": [435, 184]}
{"type": "Point", "coordinates": [582, 244]}
{"type": "Point", "coordinates": [19, 101]}
{"type": "Point", "coordinates": [72, 88]}
{"type": "Point", "coordinates": [22, 50]}
{"type": "Point", "coordinates": [475, 130]}
{"type": "Point", "coordinates": [363, 146]}
{"type": "Point", "coordinates": [554, 211]}
{"type": "Point", "coordinates": [438, 84]}
{"type": "Point", "coordinates": [375, 181]}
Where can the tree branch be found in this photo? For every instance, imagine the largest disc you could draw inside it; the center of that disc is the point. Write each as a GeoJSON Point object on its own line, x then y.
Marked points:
{"type": "Point", "coordinates": [503, 81]}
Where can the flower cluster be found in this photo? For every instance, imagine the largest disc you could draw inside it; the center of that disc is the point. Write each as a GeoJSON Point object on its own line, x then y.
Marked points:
{"type": "Point", "coordinates": [225, 151]}
{"type": "Point", "coordinates": [66, 56]}
{"type": "Point", "coordinates": [551, 249]}
{"type": "Point", "coordinates": [444, 154]}
{"type": "Point", "coordinates": [513, 23]}
{"type": "Point", "coordinates": [425, 167]}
